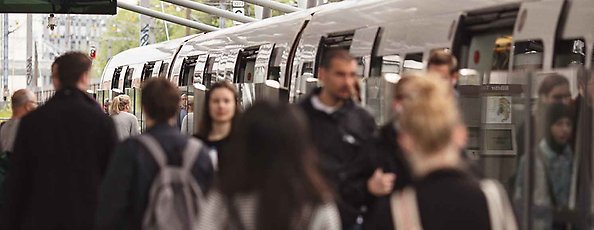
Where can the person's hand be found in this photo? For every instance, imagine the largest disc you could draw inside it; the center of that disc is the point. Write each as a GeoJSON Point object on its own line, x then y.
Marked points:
{"type": "Point", "coordinates": [380, 183]}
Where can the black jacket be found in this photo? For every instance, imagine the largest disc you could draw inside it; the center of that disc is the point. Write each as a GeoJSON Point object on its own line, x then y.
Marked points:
{"type": "Point", "coordinates": [124, 194]}
{"type": "Point", "coordinates": [344, 140]}
{"type": "Point", "coordinates": [60, 155]}
{"type": "Point", "coordinates": [390, 158]}
{"type": "Point", "coordinates": [451, 199]}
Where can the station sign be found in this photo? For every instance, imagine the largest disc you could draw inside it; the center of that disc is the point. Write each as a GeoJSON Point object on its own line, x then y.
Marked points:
{"type": "Point", "coordinates": [238, 8]}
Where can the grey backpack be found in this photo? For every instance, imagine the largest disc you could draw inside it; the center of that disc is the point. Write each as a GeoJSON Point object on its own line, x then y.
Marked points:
{"type": "Point", "coordinates": [174, 196]}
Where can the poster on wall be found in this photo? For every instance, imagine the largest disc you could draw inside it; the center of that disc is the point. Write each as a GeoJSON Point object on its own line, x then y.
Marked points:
{"type": "Point", "coordinates": [499, 110]}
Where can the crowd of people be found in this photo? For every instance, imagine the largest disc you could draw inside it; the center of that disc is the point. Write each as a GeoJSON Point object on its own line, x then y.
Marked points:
{"type": "Point", "coordinates": [321, 164]}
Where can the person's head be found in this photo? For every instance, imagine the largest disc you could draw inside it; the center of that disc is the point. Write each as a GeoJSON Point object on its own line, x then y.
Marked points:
{"type": "Point", "coordinates": [106, 105]}
{"type": "Point", "coordinates": [190, 104]}
{"type": "Point", "coordinates": [221, 106]}
{"type": "Point", "coordinates": [338, 73]}
{"type": "Point", "coordinates": [554, 88]}
{"type": "Point", "coordinates": [183, 101]}
{"type": "Point", "coordinates": [120, 103]}
{"type": "Point", "coordinates": [400, 94]}
{"type": "Point", "coordinates": [160, 100]}
{"type": "Point", "coordinates": [22, 102]}
{"type": "Point", "coordinates": [444, 63]}
{"type": "Point", "coordinates": [273, 156]}
{"type": "Point", "coordinates": [559, 124]}
{"type": "Point", "coordinates": [431, 127]}
{"type": "Point", "coordinates": [71, 70]}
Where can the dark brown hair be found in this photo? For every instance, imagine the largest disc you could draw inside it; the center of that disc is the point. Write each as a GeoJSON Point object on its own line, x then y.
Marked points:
{"type": "Point", "coordinates": [71, 66]}
{"type": "Point", "coordinates": [273, 156]}
{"type": "Point", "coordinates": [335, 53]}
{"type": "Point", "coordinates": [160, 99]}
{"type": "Point", "coordinates": [549, 82]}
{"type": "Point", "coordinates": [205, 125]}
{"type": "Point", "coordinates": [443, 57]}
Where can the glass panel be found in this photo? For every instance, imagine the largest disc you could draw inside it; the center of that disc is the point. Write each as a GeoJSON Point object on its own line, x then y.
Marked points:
{"type": "Point", "coordinates": [412, 63]}
{"type": "Point", "coordinates": [570, 52]}
{"type": "Point", "coordinates": [528, 55]}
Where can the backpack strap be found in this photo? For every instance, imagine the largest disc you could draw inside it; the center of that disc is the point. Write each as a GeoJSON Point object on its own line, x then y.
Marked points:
{"type": "Point", "coordinates": [405, 212]}
{"type": "Point", "coordinates": [154, 148]}
{"type": "Point", "coordinates": [500, 211]}
{"type": "Point", "coordinates": [190, 153]}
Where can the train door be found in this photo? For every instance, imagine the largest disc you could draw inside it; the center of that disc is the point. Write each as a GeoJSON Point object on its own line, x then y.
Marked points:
{"type": "Point", "coordinates": [147, 71]}
{"type": "Point", "coordinates": [267, 75]}
{"type": "Point", "coordinates": [371, 86]}
{"type": "Point", "coordinates": [244, 78]}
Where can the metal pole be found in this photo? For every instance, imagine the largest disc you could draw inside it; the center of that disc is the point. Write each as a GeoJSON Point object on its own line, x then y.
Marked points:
{"type": "Point", "coordinates": [165, 22]}
{"type": "Point", "coordinates": [212, 10]}
{"type": "Point", "coordinates": [274, 5]}
{"type": "Point", "coordinates": [29, 50]}
{"type": "Point", "coordinates": [5, 52]}
{"type": "Point", "coordinates": [166, 17]}
{"type": "Point", "coordinates": [222, 19]}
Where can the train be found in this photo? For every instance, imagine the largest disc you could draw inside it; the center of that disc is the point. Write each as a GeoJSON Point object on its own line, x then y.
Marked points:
{"type": "Point", "coordinates": [277, 58]}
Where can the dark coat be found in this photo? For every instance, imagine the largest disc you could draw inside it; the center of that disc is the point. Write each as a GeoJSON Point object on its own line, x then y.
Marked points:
{"type": "Point", "coordinates": [451, 199]}
{"type": "Point", "coordinates": [124, 194]}
{"type": "Point", "coordinates": [345, 143]}
{"type": "Point", "coordinates": [60, 156]}
{"type": "Point", "coordinates": [390, 158]}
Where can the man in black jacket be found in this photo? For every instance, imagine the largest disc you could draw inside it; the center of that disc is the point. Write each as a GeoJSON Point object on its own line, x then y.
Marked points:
{"type": "Point", "coordinates": [60, 155]}
{"type": "Point", "coordinates": [343, 133]}
{"type": "Point", "coordinates": [124, 195]}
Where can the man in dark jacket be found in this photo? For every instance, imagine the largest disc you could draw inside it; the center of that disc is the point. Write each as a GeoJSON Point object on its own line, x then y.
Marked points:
{"type": "Point", "coordinates": [124, 194]}
{"type": "Point", "coordinates": [343, 133]}
{"type": "Point", "coordinates": [60, 155]}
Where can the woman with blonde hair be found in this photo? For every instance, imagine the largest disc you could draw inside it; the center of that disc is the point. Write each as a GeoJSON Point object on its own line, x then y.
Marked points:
{"type": "Point", "coordinates": [126, 123]}
{"type": "Point", "coordinates": [432, 135]}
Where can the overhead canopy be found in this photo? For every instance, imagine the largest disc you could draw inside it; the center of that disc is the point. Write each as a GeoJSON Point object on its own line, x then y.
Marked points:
{"type": "Point", "coordinates": [59, 6]}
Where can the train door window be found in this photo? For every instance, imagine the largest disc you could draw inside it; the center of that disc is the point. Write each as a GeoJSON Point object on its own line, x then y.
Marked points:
{"type": "Point", "coordinates": [128, 78]}
{"type": "Point", "coordinates": [339, 40]}
{"type": "Point", "coordinates": [390, 69]}
{"type": "Point", "coordinates": [147, 70]}
{"type": "Point", "coordinates": [115, 79]}
{"type": "Point", "coordinates": [274, 69]}
{"type": "Point", "coordinates": [528, 55]}
{"type": "Point", "coordinates": [247, 63]}
{"type": "Point", "coordinates": [199, 70]}
{"type": "Point", "coordinates": [210, 72]}
{"type": "Point", "coordinates": [163, 70]}
{"type": "Point", "coordinates": [412, 62]}
{"type": "Point", "coordinates": [484, 39]}
{"type": "Point", "coordinates": [571, 52]}
{"type": "Point", "coordinates": [187, 70]}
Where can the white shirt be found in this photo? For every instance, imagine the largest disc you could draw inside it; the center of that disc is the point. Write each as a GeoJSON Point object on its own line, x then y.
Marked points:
{"type": "Point", "coordinates": [317, 104]}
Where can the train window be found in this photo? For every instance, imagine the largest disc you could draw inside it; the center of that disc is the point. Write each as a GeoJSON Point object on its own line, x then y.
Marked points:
{"type": "Point", "coordinates": [391, 68]}
{"type": "Point", "coordinates": [570, 53]}
{"type": "Point", "coordinates": [147, 70]}
{"type": "Point", "coordinates": [247, 63]}
{"type": "Point", "coordinates": [128, 78]}
{"type": "Point", "coordinates": [274, 69]}
{"type": "Point", "coordinates": [163, 70]}
{"type": "Point", "coordinates": [412, 62]}
{"type": "Point", "coordinates": [528, 55]}
{"type": "Point", "coordinates": [209, 76]}
{"type": "Point", "coordinates": [115, 79]}
{"type": "Point", "coordinates": [339, 40]}
{"type": "Point", "coordinates": [187, 70]}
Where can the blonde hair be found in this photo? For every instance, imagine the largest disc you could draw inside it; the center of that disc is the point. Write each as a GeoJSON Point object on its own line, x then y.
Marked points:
{"type": "Point", "coordinates": [119, 103]}
{"type": "Point", "coordinates": [430, 113]}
